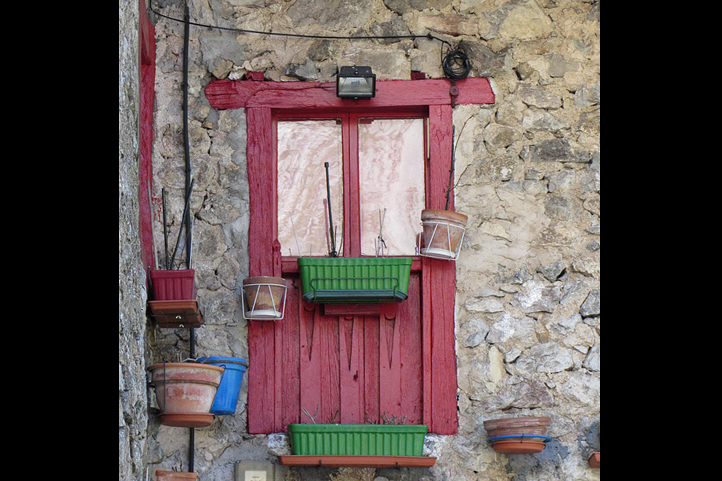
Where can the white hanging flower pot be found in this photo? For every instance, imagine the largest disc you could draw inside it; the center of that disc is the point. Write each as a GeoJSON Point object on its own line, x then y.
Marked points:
{"type": "Point", "coordinates": [443, 233]}
{"type": "Point", "coordinates": [264, 298]}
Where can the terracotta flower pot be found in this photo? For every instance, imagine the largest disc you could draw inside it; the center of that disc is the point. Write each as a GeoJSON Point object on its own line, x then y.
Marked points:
{"type": "Point", "coordinates": [516, 426]}
{"type": "Point", "coordinates": [443, 233]}
{"type": "Point", "coordinates": [174, 476]}
{"type": "Point", "coordinates": [265, 297]}
{"type": "Point", "coordinates": [518, 435]}
{"type": "Point", "coordinates": [185, 392]}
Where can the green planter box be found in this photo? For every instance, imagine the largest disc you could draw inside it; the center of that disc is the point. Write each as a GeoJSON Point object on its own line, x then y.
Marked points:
{"type": "Point", "coordinates": [330, 280]}
{"type": "Point", "coordinates": [357, 439]}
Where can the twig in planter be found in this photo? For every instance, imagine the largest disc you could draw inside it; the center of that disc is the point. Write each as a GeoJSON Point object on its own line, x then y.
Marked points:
{"type": "Point", "coordinates": [380, 242]}
{"type": "Point", "coordinates": [386, 420]}
{"type": "Point", "coordinates": [313, 418]}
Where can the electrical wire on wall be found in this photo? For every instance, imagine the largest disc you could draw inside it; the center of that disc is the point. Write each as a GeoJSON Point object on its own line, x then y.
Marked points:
{"type": "Point", "coordinates": [456, 63]}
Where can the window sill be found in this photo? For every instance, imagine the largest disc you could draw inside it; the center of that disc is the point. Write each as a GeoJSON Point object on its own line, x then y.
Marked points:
{"type": "Point", "coordinates": [289, 264]}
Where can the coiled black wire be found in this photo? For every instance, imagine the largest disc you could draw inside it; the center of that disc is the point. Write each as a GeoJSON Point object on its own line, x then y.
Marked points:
{"type": "Point", "coordinates": [456, 64]}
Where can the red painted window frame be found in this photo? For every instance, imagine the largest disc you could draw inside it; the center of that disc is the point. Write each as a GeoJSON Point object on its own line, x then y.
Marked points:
{"type": "Point", "coordinates": [260, 99]}
{"type": "Point", "coordinates": [146, 61]}
{"type": "Point", "coordinates": [351, 188]}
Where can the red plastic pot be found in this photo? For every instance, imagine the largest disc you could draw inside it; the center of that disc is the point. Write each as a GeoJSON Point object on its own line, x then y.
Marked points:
{"type": "Point", "coordinates": [174, 285]}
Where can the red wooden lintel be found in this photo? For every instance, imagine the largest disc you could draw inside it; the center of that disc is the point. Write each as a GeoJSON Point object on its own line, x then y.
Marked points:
{"type": "Point", "coordinates": [255, 76]}
{"type": "Point", "coordinates": [233, 94]}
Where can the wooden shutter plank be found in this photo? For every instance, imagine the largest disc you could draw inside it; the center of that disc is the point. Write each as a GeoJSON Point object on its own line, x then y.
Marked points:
{"type": "Point", "coordinates": [444, 383]}
{"type": "Point", "coordinates": [329, 385]}
{"type": "Point", "coordinates": [352, 373]}
{"type": "Point", "coordinates": [291, 357]}
{"type": "Point", "coordinates": [261, 378]}
{"type": "Point", "coordinates": [426, 359]}
{"type": "Point", "coordinates": [411, 355]}
{"type": "Point", "coordinates": [310, 359]}
{"type": "Point", "coordinates": [390, 363]}
{"type": "Point", "coordinates": [371, 369]}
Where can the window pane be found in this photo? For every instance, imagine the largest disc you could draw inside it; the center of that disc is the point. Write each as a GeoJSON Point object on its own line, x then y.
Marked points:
{"type": "Point", "coordinates": [303, 148]}
{"type": "Point", "coordinates": [391, 170]}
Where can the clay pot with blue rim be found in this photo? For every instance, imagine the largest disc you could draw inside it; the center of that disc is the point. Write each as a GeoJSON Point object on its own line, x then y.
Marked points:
{"type": "Point", "coordinates": [524, 435]}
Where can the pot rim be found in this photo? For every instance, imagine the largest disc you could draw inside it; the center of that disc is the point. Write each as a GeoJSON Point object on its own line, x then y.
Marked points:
{"type": "Point", "coordinates": [520, 437]}
{"type": "Point", "coordinates": [177, 474]}
{"type": "Point", "coordinates": [174, 271]}
{"type": "Point", "coordinates": [185, 364]}
{"type": "Point", "coordinates": [264, 280]}
{"type": "Point", "coordinates": [517, 422]}
{"type": "Point", "coordinates": [446, 214]}
{"type": "Point", "coordinates": [224, 360]}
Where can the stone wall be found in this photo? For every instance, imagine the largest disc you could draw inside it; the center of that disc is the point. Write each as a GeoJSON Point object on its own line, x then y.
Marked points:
{"type": "Point", "coordinates": [133, 400]}
{"type": "Point", "coordinates": [528, 176]}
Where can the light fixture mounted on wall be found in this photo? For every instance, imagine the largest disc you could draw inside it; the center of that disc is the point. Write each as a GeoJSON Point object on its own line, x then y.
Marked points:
{"type": "Point", "coordinates": [356, 83]}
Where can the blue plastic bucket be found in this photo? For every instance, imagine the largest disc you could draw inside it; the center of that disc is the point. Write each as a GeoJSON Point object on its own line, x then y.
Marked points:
{"type": "Point", "coordinates": [230, 387]}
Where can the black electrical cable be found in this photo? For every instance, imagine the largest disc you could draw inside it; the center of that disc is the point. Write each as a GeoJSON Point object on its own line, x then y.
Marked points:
{"type": "Point", "coordinates": [298, 35]}
{"type": "Point", "coordinates": [456, 64]}
{"type": "Point", "coordinates": [186, 139]}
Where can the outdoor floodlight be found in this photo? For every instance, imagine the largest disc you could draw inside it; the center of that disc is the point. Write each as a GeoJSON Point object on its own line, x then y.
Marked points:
{"type": "Point", "coordinates": [356, 83]}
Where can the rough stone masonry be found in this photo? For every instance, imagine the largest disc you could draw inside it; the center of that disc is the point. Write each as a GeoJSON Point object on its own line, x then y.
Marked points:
{"type": "Point", "coordinates": [528, 319]}
{"type": "Point", "coordinates": [132, 346]}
